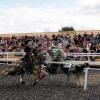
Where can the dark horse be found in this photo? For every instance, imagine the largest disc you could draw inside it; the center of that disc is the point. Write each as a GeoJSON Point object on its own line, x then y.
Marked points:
{"type": "Point", "coordinates": [29, 64]}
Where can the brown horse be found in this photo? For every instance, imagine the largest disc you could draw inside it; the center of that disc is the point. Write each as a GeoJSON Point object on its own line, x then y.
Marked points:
{"type": "Point", "coordinates": [22, 67]}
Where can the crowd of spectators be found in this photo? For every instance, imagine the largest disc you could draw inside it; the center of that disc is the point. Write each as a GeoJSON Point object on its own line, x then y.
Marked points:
{"type": "Point", "coordinates": [77, 43]}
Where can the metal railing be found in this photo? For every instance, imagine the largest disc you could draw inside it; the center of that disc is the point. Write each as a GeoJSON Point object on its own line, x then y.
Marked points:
{"type": "Point", "coordinates": [67, 62]}
{"type": "Point", "coordinates": [8, 55]}
{"type": "Point", "coordinates": [92, 63]}
{"type": "Point", "coordinates": [86, 75]}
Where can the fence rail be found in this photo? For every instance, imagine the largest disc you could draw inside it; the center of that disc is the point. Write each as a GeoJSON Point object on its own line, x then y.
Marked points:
{"type": "Point", "coordinates": [6, 56]}
{"type": "Point", "coordinates": [67, 62]}
{"type": "Point", "coordinates": [82, 54]}
{"type": "Point", "coordinates": [1, 53]}
{"type": "Point", "coordinates": [92, 63]}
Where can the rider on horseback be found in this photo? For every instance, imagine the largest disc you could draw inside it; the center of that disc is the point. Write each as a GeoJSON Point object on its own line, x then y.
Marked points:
{"type": "Point", "coordinates": [32, 63]}
{"type": "Point", "coordinates": [27, 62]}
{"type": "Point", "coordinates": [55, 53]}
{"type": "Point", "coordinates": [56, 56]}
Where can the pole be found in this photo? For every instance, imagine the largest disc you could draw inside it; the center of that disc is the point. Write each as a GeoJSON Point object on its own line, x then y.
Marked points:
{"type": "Point", "coordinates": [85, 81]}
{"type": "Point", "coordinates": [7, 57]}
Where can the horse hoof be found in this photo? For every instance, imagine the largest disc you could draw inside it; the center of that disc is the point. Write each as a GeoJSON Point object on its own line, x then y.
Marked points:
{"type": "Point", "coordinates": [34, 83]}
{"type": "Point", "coordinates": [22, 82]}
{"type": "Point", "coordinates": [42, 77]}
{"type": "Point", "coordinates": [17, 85]}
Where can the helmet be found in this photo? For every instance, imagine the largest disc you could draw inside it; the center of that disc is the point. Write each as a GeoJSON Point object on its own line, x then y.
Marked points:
{"type": "Point", "coordinates": [27, 49]}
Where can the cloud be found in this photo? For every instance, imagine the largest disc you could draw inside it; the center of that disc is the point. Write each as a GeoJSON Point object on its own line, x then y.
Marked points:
{"type": "Point", "coordinates": [30, 19]}
{"type": "Point", "coordinates": [89, 7]}
{"type": "Point", "coordinates": [89, 4]}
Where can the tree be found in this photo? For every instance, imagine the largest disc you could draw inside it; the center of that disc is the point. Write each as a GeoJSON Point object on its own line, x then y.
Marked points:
{"type": "Point", "coordinates": [66, 29]}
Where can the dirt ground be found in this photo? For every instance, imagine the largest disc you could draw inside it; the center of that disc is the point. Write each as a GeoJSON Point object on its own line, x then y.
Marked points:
{"type": "Point", "coordinates": [52, 87]}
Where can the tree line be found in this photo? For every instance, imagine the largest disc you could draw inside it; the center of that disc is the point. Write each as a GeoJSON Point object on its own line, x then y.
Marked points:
{"type": "Point", "coordinates": [66, 28]}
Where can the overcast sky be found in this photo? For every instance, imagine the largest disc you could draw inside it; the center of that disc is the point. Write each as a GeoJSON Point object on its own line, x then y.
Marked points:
{"type": "Point", "coordinates": [48, 15]}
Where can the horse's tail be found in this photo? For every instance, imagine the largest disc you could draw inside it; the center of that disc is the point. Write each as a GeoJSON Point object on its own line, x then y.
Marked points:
{"type": "Point", "coordinates": [13, 69]}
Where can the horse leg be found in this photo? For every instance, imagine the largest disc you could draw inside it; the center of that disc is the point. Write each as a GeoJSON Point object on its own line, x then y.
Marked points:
{"type": "Point", "coordinates": [39, 74]}
{"type": "Point", "coordinates": [79, 80]}
{"type": "Point", "coordinates": [68, 76]}
{"type": "Point", "coordinates": [21, 79]}
{"type": "Point", "coordinates": [36, 73]}
{"type": "Point", "coordinates": [43, 71]}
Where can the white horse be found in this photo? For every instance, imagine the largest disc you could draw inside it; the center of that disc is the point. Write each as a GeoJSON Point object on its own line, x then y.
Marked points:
{"type": "Point", "coordinates": [68, 69]}
{"type": "Point", "coordinates": [52, 68]}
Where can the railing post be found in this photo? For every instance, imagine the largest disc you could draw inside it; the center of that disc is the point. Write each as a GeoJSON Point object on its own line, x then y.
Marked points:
{"type": "Point", "coordinates": [88, 57]}
{"type": "Point", "coordinates": [7, 57]}
{"type": "Point", "coordinates": [85, 80]}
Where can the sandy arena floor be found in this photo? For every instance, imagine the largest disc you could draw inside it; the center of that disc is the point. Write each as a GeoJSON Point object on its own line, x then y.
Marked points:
{"type": "Point", "coordinates": [52, 87]}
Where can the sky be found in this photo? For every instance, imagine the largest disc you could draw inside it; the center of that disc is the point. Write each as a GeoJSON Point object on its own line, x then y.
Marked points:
{"type": "Point", "coordinates": [48, 15]}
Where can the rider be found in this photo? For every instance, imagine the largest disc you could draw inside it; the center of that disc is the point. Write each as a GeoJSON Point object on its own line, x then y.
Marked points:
{"type": "Point", "coordinates": [27, 61]}
{"type": "Point", "coordinates": [55, 53]}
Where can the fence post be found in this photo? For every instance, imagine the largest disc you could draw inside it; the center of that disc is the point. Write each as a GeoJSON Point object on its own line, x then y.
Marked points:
{"type": "Point", "coordinates": [85, 80]}
{"type": "Point", "coordinates": [88, 57]}
{"type": "Point", "coordinates": [7, 57]}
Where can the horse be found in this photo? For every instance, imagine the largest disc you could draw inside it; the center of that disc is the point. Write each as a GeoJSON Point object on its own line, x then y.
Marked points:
{"type": "Point", "coordinates": [50, 57]}
{"type": "Point", "coordinates": [21, 68]}
{"type": "Point", "coordinates": [68, 69]}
